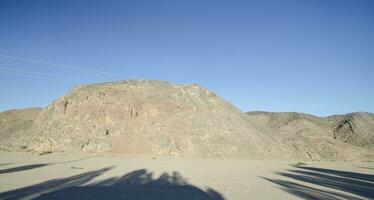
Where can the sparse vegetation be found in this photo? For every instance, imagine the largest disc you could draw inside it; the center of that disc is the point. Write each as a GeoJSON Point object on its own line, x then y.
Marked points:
{"type": "Point", "coordinates": [72, 167]}
{"type": "Point", "coordinates": [300, 164]}
{"type": "Point", "coordinates": [45, 152]}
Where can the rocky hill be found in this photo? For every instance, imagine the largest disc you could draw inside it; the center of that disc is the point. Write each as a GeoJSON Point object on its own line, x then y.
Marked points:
{"type": "Point", "coordinates": [158, 118]}
{"type": "Point", "coordinates": [15, 127]}
{"type": "Point", "coordinates": [338, 136]}
{"type": "Point", "coordinates": [354, 128]}
{"type": "Point", "coordinates": [148, 117]}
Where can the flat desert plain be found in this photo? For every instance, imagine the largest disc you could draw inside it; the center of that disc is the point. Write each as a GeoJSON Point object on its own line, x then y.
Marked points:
{"type": "Point", "coordinates": [54, 176]}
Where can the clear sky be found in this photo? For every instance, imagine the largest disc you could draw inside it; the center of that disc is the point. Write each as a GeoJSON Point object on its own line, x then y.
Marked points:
{"type": "Point", "coordinates": [314, 56]}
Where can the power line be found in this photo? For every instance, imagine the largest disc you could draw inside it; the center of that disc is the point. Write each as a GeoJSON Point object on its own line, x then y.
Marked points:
{"type": "Point", "coordinates": [41, 74]}
{"type": "Point", "coordinates": [38, 76]}
{"type": "Point", "coordinates": [59, 65]}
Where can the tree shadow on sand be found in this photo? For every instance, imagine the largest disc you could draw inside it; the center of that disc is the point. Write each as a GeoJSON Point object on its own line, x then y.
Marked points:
{"type": "Point", "coordinates": [136, 185]}
{"type": "Point", "coordinates": [22, 168]}
{"type": "Point", "coordinates": [332, 184]}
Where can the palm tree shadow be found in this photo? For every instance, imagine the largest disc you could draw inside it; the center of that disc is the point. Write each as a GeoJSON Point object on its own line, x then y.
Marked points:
{"type": "Point", "coordinates": [22, 168]}
{"type": "Point", "coordinates": [332, 184]}
{"type": "Point", "coordinates": [136, 185]}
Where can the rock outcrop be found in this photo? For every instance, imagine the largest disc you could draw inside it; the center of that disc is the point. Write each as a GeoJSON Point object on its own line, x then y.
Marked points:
{"type": "Point", "coordinates": [342, 137]}
{"type": "Point", "coordinates": [354, 128]}
{"type": "Point", "coordinates": [148, 117]}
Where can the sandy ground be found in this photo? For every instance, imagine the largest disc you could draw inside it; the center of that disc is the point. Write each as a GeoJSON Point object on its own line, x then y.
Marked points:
{"type": "Point", "coordinates": [30, 176]}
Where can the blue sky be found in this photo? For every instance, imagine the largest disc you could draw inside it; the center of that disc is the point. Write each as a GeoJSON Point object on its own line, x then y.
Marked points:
{"type": "Point", "coordinates": [314, 56]}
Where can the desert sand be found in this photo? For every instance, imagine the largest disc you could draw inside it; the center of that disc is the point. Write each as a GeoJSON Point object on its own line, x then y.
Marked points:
{"type": "Point", "coordinates": [53, 176]}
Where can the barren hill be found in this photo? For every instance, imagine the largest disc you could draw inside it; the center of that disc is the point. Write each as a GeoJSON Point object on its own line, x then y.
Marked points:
{"type": "Point", "coordinates": [354, 128]}
{"type": "Point", "coordinates": [338, 136]}
{"type": "Point", "coordinates": [147, 117]}
{"type": "Point", "coordinates": [158, 118]}
{"type": "Point", "coordinates": [15, 125]}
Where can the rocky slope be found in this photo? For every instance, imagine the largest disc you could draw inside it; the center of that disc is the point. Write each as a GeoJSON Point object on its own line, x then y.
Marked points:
{"type": "Point", "coordinates": [148, 117]}
{"type": "Point", "coordinates": [15, 127]}
{"type": "Point", "coordinates": [158, 118]}
{"type": "Point", "coordinates": [338, 136]}
{"type": "Point", "coordinates": [354, 128]}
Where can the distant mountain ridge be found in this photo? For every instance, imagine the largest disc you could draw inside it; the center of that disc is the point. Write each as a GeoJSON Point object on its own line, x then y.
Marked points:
{"type": "Point", "coordinates": [355, 128]}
